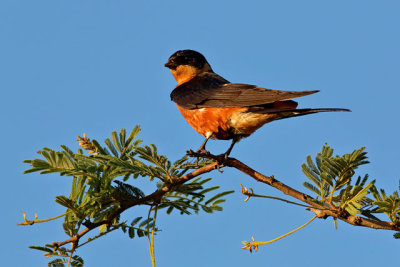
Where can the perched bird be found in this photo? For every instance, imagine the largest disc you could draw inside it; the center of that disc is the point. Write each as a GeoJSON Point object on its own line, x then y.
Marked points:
{"type": "Point", "coordinates": [218, 109]}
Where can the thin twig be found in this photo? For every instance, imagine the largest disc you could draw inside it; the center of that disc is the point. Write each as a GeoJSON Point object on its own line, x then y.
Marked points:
{"type": "Point", "coordinates": [31, 222]}
{"type": "Point", "coordinates": [71, 253]}
{"type": "Point", "coordinates": [152, 237]}
{"type": "Point", "coordinates": [281, 199]}
{"type": "Point", "coordinates": [254, 245]}
{"type": "Point", "coordinates": [249, 193]}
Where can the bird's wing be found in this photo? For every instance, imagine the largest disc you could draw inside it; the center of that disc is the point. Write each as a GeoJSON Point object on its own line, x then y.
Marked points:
{"type": "Point", "coordinates": [209, 90]}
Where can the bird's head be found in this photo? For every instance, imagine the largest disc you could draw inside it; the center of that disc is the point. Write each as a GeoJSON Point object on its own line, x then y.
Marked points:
{"type": "Point", "coordinates": [186, 64]}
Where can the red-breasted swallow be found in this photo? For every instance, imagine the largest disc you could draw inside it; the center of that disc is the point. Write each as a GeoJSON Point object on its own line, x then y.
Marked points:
{"type": "Point", "coordinates": [218, 109]}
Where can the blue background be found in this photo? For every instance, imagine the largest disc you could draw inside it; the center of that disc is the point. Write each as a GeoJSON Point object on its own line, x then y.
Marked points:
{"type": "Point", "coordinates": [68, 67]}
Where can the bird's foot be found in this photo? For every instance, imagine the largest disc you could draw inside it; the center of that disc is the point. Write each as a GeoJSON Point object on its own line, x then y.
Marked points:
{"type": "Point", "coordinates": [200, 153]}
{"type": "Point", "coordinates": [225, 155]}
{"type": "Point", "coordinates": [220, 161]}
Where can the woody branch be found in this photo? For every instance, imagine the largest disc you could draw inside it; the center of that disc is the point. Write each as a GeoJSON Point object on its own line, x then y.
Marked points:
{"type": "Point", "coordinates": [321, 211]}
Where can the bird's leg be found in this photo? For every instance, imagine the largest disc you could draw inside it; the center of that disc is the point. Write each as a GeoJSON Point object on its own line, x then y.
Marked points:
{"type": "Point", "coordinates": [226, 154]}
{"type": "Point", "coordinates": [202, 149]}
{"type": "Point", "coordinates": [234, 141]}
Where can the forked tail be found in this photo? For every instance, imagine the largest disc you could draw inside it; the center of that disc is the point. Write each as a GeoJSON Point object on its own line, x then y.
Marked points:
{"type": "Point", "coordinates": [305, 111]}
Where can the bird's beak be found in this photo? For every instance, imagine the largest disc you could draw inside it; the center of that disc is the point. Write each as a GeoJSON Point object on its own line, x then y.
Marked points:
{"type": "Point", "coordinates": [170, 65]}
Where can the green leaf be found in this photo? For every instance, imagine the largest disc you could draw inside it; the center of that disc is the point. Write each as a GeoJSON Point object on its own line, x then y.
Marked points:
{"type": "Point", "coordinates": [140, 233]}
{"type": "Point", "coordinates": [136, 220]}
{"type": "Point", "coordinates": [131, 232]}
{"type": "Point", "coordinates": [77, 261]}
{"type": "Point", "coordinates": [218, 196]}
{"type": "Point", "coordinates": [111, 147]}
{"type": "Point", "coordinates": [311, 175]}
{"type": "Point", "coordinates": [132, 135]}
{"type": "Point", "coordinates": [353, 203]}
{"type": "Point", "coordinates": [311, 165]}
{"type": "Point", "coordinates": [122, 135]}
{"type": "Point", "coordinates": [57, 263]}
{"type": "Point", "coordinates": [102, 228]}
{"type": "Point", "coordinates": [312, 188]}
{"type": "Point", "coordinates": [128, 191]}
{"type": "Point", "coordinates": [145, 222]}
{"type": "Point", "coordinates": [218, 201]}
{"type": "Point", "coordinates": [208, 190]}
{"type": "Point", "coordinates": [100, 149]}
{"type": "Point", "coordinates": [170, 209]}
{"type": "Point", "coordinates": [116, 141]}
{"type": "Point", "coordinates": [207, 209]}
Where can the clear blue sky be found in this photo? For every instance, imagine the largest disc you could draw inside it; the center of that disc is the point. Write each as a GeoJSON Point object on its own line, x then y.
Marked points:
{"type": "Point", "coordinates": [68, 67]}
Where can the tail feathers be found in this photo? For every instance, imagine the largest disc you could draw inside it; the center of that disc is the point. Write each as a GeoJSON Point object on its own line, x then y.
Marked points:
{"type": "Point", "coordinates": [288, 113]}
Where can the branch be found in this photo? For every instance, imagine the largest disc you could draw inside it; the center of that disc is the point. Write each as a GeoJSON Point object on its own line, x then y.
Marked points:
{"type": "Point", "coordinates": [153, 197]}
{"type": "Point", "coordinates": [249, 193]}
{"type": "Point", "coordinates": [321, 211]}
{"type": "Point", "coordinates": [254, 245]}
{"type": "Point", "coordinates": [31, 222]}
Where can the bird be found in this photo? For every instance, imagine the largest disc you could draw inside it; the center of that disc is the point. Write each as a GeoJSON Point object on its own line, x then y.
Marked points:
{"type": "Point", "coordinates": [218, 109]}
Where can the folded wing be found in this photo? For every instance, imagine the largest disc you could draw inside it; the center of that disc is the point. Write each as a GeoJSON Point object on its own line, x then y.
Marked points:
{"type": "Point", "coordinates": [209, 90]}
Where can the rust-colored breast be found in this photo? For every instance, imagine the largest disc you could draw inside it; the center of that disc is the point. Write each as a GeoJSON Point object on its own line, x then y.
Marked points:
{"type": "Point", "coordinates": [225, 123]}
{"type": "Point", "coordinates": [212, 122]}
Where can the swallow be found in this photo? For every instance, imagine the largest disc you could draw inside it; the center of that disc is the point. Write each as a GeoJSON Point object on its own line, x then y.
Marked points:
{"type": "Point", "coordinates": [221, 110]}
